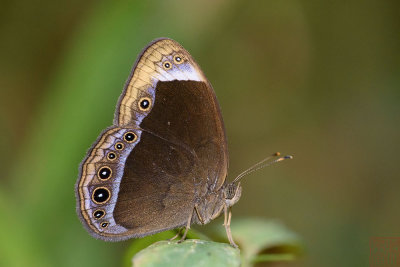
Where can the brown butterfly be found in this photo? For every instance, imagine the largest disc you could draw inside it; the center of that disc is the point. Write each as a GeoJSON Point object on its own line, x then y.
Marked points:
{"type": "Point", "coordinates": [163, 163]}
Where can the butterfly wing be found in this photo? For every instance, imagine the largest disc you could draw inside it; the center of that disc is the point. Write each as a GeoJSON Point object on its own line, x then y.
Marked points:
{"type": "Point", "coordinates": [178, 152]}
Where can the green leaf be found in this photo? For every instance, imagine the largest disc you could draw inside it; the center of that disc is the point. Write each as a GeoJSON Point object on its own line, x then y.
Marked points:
{"type": "Point", "coordinates": [192, 252]}
{"type": "Point", "coordinates": [262, 240]}
{"type": "Point", "coordinates": [142, 243]}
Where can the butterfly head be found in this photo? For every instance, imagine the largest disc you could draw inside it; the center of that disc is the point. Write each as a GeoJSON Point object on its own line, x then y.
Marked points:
{"type": "Point", "coordinates": [232, 193]}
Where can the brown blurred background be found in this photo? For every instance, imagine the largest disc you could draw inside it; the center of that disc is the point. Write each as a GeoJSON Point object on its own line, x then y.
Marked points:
{"type": "Point", "coordinates": [316, 79]}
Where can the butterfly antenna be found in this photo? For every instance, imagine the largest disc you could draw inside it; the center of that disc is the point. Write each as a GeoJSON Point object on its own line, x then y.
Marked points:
{"type": "Point", "coordinates": [264, 163]}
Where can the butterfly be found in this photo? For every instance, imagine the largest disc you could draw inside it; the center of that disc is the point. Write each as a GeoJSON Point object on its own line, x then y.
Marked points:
{"type": "Point", "coordinates": [163, 163]}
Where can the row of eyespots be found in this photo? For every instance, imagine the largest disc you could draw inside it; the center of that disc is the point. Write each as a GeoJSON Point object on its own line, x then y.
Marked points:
{"type": "Point", "coordinates": [105, 172]}
{"type": "Point", "coordinates": [102, 194]}
{"type": "Point", "coordinates": [177, 60]}
{"type": "Point", "coordinates": [98, 214]}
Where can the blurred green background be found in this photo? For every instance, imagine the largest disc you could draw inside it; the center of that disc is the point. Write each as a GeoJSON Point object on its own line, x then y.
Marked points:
{"type": "Point", "coordinates": [316, 79]}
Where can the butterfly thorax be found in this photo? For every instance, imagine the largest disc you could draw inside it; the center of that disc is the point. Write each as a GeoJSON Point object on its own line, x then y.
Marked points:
{"type": "Point", "coordinates": [213, 203]}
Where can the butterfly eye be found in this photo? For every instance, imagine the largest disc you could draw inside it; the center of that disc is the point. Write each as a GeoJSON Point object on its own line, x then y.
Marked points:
{"type": "Point", "coordinates": [111, 156]}
{"type": "Point", "coordinates": [119, 146]}
{"type": "Point", "coordinates": [144, 103]}
{"type": "Point", "coordinates": [104, 173]}
{"type": "Point", "coordinates": [130, 137]}
{"type": "Point", "coordinates": [178, 59]}
{"type": "Point", "coordinates": [104, 225]}
{"type": "Point", "coordinates": [167, 65]}
{"type": "Point", "coordinates": [101, 195]}
{"type": "Point", "coordinates": [98, 214]}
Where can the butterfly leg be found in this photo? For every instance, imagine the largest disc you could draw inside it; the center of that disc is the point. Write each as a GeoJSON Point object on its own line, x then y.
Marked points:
{"type": "Point", "coordinates": [227, 224]}
{"type": "Point", "coordinates": [198, 215]}
{"type": "Point", "coordinates": [173, 238]}
{"type": "Point", "coordinates": [187, 228]}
